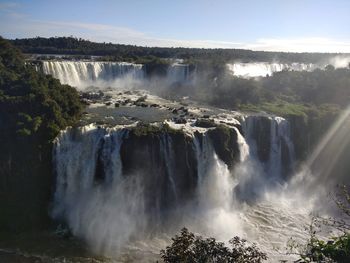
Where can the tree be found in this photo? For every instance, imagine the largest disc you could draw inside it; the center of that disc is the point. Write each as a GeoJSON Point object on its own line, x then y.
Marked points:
{"type": "Point", "coordinates": [189, 248]}
{"type": "Point", "coordinates": [33, 109]}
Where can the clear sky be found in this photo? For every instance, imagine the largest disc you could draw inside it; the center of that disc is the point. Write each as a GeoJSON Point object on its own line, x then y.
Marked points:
{"type": "Point", "coordinates": [288, 25]}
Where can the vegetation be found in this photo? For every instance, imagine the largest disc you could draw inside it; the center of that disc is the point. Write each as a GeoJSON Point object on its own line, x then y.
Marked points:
{"type": "Point", "coordinates": [190, 248]}
{"type": "Point", "coordinates": [33, 104]}
{"type": "Point", "coordinates": [285, 93]}
{"type": "Point", "coordinates": [33, 109]}
{"type": "Point", "coordinates": [334, 248]}
{"type": "Point", "coordinates": [78, 46]}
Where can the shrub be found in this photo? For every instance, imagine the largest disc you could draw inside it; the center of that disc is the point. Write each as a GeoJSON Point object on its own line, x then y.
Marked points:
{"type": "Point", "coordinates": [189, 248]}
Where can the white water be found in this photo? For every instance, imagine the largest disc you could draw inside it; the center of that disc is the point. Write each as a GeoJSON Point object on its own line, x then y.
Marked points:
{"type": "Point", "coordinates": [122, 75]}
{"type": "Point", "coordinates": [112, 215]}
{"type": "Point", "coordinates": [178, 73]}
{"type": "Point", "coordinates": [340, 61]}
{"type": "Point", "coordinates": [263, 69]}
{"type": "Point", "coordinates": [82, 74]}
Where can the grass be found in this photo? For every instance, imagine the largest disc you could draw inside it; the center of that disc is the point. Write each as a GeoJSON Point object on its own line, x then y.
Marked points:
{"type": "Point", "coordinates": [281, 108]}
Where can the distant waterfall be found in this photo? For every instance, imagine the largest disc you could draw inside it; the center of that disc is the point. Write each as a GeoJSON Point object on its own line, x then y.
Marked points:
{"type": "Point", "coordinates": [263, 69]}
{"type": "Point", "coordinates": [178, 73]}
{"type": "Point", "coordinates": [82, 74]}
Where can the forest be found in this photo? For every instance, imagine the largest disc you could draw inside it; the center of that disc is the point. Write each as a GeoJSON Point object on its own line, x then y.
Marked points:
{"type": "Point", "coordinates": [33, 109]}
{"type": "Point", "coordinates": [78, 46]}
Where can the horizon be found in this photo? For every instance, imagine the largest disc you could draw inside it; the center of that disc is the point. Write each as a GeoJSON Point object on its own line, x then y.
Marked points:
{"type": "Point", "coordinates": [175, 47]}
{"type": "Point", "coordinates": [291, 26]}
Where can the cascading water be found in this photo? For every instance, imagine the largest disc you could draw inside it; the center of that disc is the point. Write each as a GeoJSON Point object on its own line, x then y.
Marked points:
{"type": "Point", "coordinates": [270, 142]}
{"type": "Point", "coordinates": [115, 188]}
{"type": "Point", "coordinates": [262, 69]}
{"type": "Point", "coordinates": [91, 195]}
{"type": "Point", "coordinates": [82, 74]}
{"type": "Point", "coordinates": [178, 73]}
{"type": "Point", "coordinates": [122, 75]}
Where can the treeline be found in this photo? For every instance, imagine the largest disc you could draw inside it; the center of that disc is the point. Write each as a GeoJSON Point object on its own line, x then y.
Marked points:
{"type": "Point", "coordinates": [330, 86]}
{"type": "Point", "coordinates": [78, 46]}
{"type": "Point", "coordinates": [33, 109]}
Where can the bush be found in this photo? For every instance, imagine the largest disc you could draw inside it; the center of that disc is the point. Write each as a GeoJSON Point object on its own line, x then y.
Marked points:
{"type": "Point", "coordinates": [189, 248]}
{"type": "Point", "coordinates": [333, 249]}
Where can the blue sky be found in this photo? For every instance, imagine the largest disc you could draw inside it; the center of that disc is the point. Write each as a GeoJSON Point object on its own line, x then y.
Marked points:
{"type": "Point", "coordinates": [288, 25]}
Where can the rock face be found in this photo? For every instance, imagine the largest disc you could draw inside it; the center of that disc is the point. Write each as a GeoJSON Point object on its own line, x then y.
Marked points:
{"type": "Point", "coordinates": [167, 161]}
{"type": "Point", "coordinates": [225, 144]}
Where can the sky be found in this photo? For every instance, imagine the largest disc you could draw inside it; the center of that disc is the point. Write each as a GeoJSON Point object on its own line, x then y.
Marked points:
{"type": "Point", "coordinates": [272, 25]}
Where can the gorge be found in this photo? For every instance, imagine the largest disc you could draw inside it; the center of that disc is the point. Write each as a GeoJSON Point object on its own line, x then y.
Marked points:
{"type": "Point", "coordinates": [126, 188]}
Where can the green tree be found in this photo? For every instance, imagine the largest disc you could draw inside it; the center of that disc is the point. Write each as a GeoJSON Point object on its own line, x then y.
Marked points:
{"type": "Point", "coordinates": [33, 109]}
{"type": "Point", "coordinates": [190, 248]}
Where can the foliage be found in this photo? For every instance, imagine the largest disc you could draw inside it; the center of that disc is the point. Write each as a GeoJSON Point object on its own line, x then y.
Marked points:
{"type": "Point", "coordinates": [335, 248]}
{"type": "Point", "coordinates": [188, 247]}
{"type": "Point", "coordinates": [33, 109]}
{"type": "Point", "coordinates": [279, 107]}
{"type": "Point", "coordinates": [78, 46]}
{"type": "Point", "coordinates": [30, 102]}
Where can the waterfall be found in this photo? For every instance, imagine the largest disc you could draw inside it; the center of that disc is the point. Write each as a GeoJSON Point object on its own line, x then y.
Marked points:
{"type": "Point", "coordinates": [243, 146]}
{"type": "Point", "coordinates": [178, 73]}
{"type": "Point", "coordinates": [168, 155]}
{"type": "Point", "coordinates": [204, 154]}
{"type": "Point", "coordinates": [82, 74]}
{"type": "Point", "coordinates": [105, 177]}
{"type": "Point", "coordinates": [76, 176]}
{"type": "Point", "coordinates": [92, 196]}
{"type": "Point", "coordinates": [262, 69]}
{"type": "Point", "coordinates": [117, 190]}
{"type": "Point", "coordinates": [270, 143]}
{"type": "Point", "coordinates": [214, 187]}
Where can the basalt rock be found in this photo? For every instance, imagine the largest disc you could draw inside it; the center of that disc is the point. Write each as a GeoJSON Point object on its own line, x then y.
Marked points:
{"type": "Point", "coordinates": [224, 140]}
